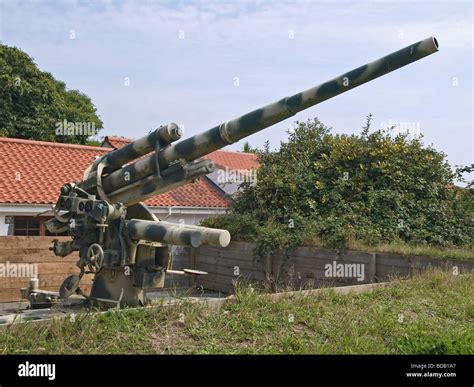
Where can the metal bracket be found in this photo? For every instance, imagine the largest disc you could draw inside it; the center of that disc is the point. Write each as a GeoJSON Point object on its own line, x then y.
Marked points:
{"type": "Point", "coordinates": [224, 132]}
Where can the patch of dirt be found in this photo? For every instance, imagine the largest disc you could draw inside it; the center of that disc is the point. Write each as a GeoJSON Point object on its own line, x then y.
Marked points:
{"type": "Point", "coordinates": [172, 336]}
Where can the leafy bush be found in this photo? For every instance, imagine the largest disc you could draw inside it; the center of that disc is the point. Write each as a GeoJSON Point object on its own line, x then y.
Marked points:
{"type": "Point", "coordinates": [373, 187]}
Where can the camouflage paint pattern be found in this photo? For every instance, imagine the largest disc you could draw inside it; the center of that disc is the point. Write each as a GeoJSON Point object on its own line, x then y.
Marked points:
{"type": "Point", "coordinates": [163, 232]}
{"type": "Point", "coordinates": [114, 160]}
{"type": "Point", "coordinates": [114, 284]}
{"type": "Point", "coordinates": [210, 236]}
{"type": "Point", "coordinates": [173, 177]}
{"type": "Point", "coordinates": [112, 227]}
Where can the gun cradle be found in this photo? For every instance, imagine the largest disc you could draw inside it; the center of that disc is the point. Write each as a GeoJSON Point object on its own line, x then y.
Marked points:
{"type": "Point", "coordinates": [119, 240]}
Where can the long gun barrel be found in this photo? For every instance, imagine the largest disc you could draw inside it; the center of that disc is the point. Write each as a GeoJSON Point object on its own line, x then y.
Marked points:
{"type": "Point", "coordinates": [120, 240]}
{"type": "Point", "coordinates": [181, 235]}
{"type": "Point", "coordinates": [234, 130]}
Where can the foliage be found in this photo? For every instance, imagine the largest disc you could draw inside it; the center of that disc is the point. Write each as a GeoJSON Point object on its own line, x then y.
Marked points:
{"type": "Point", "coordinates": [373, 187]}
{"type": "Point", "coordinates": [248, 149]}
{"type": "Point", "coordinates": [33, 102]}
{"type": "Point", "coordinates": [459, 174]}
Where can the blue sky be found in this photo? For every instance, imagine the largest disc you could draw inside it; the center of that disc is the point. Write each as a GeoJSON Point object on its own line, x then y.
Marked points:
{"type": "Point", "coordinates": [201, 63]}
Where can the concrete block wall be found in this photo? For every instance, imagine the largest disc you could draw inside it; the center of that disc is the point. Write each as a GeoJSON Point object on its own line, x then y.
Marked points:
{"type": "Point", "coordinates": [302, 268]}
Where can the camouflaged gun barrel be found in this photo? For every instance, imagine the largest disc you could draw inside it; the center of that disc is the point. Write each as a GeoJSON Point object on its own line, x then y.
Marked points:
{"type": "Point", "coordinates": [182, 235]}
{"type": "Point", "coordinates": [250, 123]}
{"type": "Point", "coordinates": [114, 160]}
{"type": "Point", "coordinates": [165, 233]}
{"type": "Point", "coordinates": [172, 177]}
{"type": "Point", "coordinates": [210, 236]}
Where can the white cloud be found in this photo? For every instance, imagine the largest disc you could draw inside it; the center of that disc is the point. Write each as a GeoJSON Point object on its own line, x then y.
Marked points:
{"type": "Point", "coordinates": [191, 80]}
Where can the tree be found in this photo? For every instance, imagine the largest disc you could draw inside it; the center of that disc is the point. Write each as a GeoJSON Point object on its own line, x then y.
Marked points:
{"type": "Point", "coordinates": [248, 149]}
{"type": "Point", "coordinates": [34, 105]}
{"type": "Point", "coordinates": [372, 187]}
{"type": "Point", "coordinates": [460, 171]}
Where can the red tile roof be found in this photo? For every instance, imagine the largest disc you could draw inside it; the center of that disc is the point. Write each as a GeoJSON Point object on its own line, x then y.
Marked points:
{"type": "Point", "coordinates": [116, 142]}
{"type": "Point", "coordinates": [32, 172]}
{"type": "Point", "coordinates": [233, 160]}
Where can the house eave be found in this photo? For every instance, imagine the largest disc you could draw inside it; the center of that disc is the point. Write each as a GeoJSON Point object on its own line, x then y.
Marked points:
{"type": "Point", "coordinates": [24, 208]}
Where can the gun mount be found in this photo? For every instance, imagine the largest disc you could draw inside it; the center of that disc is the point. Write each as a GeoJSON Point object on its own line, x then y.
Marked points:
{"type": "Point", "coordinates": [119, 240]}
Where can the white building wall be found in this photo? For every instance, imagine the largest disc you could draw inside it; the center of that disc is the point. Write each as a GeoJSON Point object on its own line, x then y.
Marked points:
{"type": "Point", "coordinates": [3, 225]}
{"type": "Point", "coordinates": [186, 215]}
{"type": "Point", "coordinates": [7, 210]}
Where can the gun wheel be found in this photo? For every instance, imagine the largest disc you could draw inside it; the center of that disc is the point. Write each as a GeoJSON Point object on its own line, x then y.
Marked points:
{"type": "Point", "coordinates": [95, 257]}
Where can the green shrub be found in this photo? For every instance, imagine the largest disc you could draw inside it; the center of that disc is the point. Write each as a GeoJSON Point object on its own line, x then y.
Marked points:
{"type": "Point", "coordinates": [334, 188]}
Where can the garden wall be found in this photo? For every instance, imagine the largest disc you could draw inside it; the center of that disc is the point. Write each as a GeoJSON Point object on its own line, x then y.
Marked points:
{"type": "Point", "coordinates": [16, 251]}
{"type": "Point", "coordinates": [305, 267]}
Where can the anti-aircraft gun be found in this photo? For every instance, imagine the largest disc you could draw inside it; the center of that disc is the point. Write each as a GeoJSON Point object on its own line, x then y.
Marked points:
{"type": "Point", "coordinates": [119, 240]}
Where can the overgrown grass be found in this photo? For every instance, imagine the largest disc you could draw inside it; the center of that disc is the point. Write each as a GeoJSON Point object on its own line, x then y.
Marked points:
{"type": "Point", "coordinates": [429, 314]}
{"type": "Point", "coordinates": [461, 253]}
